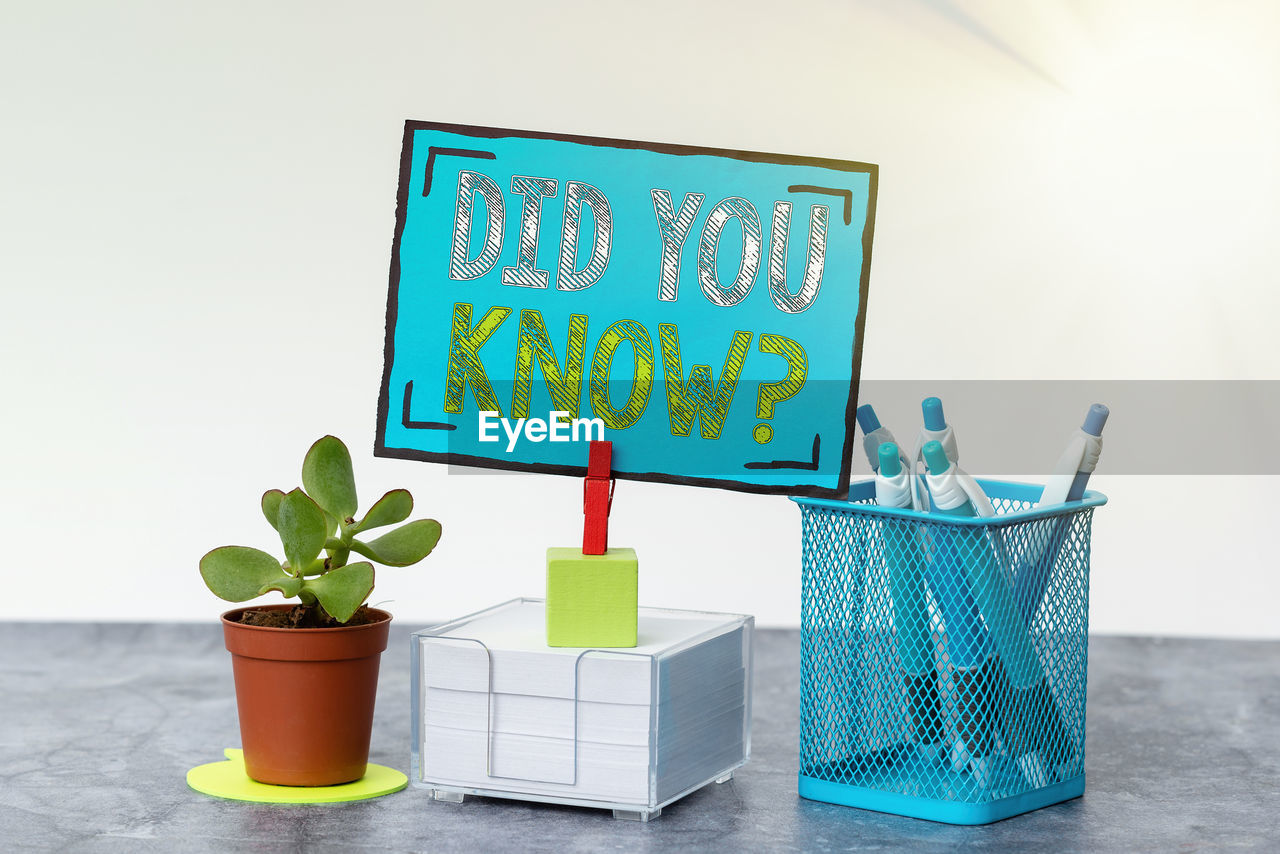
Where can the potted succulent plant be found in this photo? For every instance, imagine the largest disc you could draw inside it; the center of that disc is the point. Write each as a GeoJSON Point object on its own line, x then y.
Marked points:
{"type": "Point", "coordinates": [306, 675]}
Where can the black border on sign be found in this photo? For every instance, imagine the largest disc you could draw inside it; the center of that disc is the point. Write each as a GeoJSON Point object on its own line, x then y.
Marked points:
{"type": "Point", "coordinates": [402, 205]}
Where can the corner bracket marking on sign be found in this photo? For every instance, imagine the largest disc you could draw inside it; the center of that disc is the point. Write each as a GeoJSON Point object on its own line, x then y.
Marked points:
{"type": "Point", "coordinates": [847, 195]}
{"type": "Point", "coordinates": [435, 151]}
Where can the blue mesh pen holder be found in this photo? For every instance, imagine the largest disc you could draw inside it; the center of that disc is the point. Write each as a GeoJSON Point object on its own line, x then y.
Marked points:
{"type": "Point", "coordinates": [943, 659]}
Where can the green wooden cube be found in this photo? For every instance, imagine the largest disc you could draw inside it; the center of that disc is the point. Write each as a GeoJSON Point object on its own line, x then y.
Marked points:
{"type": "Point", "coordinates": [592, 599]}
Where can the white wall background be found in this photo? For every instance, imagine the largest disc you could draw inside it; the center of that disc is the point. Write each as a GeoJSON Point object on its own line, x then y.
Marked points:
{"type": "Point", "coordinates": [196, 212]}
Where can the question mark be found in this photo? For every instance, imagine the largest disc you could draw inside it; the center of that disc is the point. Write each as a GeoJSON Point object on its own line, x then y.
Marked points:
{"type": "Point", "coordinates": [770, 394]}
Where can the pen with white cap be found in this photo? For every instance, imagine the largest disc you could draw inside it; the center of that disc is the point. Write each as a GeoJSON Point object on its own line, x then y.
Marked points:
{"type": "Point", "coordinates": [1020, 682]}
{"type": "Point", "coordinates": [912, 625]}
{"type": "Point", "coordinates": [874, 436]}
{"type": "Point", "coordinates": [1067, 483]}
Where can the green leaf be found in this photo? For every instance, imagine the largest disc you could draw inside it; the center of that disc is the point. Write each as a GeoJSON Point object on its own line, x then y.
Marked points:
{"type": "Point", "coordinates": [341, 591]}
{"type": "Point", "coordinates": [288, 585]}
{"type": "Point", "coordinates": [238, 573]}
{"type": "Point", "coordinates": [391, 508]}
{"type": "Point", "coordinates": [405, 545]}
{"type": "Point", "coordinates": [328, 478]}
{"type": "Point", "coordinates": [302, 529]}
{"type": "Point", "coordinates": [271, 505]}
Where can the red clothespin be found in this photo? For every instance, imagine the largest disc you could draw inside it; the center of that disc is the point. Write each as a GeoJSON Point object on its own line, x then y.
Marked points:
{"type": "Point", "coordinates": [597, 498]}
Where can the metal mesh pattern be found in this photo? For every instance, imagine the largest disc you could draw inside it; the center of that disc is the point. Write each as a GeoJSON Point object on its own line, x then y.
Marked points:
{"type": "Point", "coordinates": [943, 660]}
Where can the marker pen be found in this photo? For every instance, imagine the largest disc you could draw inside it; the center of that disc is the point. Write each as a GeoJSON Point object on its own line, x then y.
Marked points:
{"type": "Point", "coordinates": [935, 429]}
{"type": "Point", "coordinates": [968, 647]}
{"type": "Point", "coordinates": [873, 434]}
{"type": "Point", "coordinates": [1019, 680]}
{"type": "Point", "coordinates": [874, 437]}
{"type": "Point", "coordinates": [911, 612]}
{"type": "Point", "coordinates": [1071, 474]}
{"type": "Point", "coordinates": [1067, 483]}
{"type": "Point", "coordinates": [1094, 421]}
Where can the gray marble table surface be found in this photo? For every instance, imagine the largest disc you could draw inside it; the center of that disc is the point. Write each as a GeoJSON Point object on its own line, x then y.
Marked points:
{"type": "Point", "coordinates": [100, 723]}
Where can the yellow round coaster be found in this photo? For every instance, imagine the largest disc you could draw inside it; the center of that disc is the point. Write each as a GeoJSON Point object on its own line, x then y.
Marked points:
{"type": "Point", "coordinates": [228, 779]}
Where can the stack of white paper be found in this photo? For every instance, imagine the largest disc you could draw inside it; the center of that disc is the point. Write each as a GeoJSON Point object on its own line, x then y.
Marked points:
{"type": "Point", "coordinates": [498, 711]}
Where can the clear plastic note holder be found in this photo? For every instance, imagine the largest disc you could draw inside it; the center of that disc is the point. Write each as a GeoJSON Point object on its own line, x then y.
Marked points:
{"type": "Point", "coordinates": [628, 730]}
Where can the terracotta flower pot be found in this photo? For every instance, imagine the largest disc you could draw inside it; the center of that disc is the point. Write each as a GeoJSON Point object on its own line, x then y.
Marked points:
{"type": "Point", "coordinates": [305, 698]}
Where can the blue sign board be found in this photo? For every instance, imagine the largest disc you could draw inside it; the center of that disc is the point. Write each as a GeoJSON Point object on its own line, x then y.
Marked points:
{"type": "Point", "coordinates": [701, 308]}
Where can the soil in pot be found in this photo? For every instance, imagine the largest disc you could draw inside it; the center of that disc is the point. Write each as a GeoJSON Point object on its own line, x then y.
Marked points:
{"type": "Point", "coordinates": [305, 696]}
{"type": "Point", "coordinates": [302, 617]}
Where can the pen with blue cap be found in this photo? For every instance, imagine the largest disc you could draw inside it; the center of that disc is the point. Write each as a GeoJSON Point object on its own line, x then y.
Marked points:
{"type": "Point", "coordinates": [935, 429]}
{"type": "Point", "coordinates": [914, 631]}
{"type": "Point", "coordinates": [1067, 483]}
{"type": "Point", "coordinates": [967, 645]}
{"type": "Point", "coordinates": [1018, 680]}
{"type": "Point", "coordinates": [874, 436]}
{"type": "Point", "coordinates": [968, 649]}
